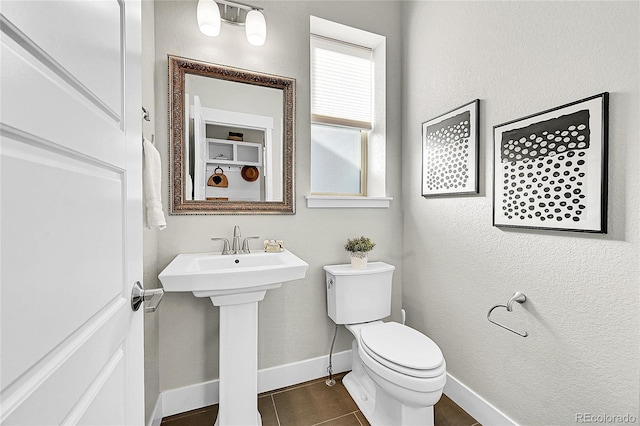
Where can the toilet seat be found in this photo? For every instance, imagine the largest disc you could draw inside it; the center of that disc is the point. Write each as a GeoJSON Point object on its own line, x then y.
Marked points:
{"type": "Point", "coordinates": [403, 349]}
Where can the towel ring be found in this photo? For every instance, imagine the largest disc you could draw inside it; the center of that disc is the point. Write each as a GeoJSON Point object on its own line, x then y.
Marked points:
{"type": "Point", "coordinates": [517, 297]}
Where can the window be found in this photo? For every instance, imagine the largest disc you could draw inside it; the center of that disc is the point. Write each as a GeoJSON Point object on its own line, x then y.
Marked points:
{"type": "Point", "coordinates": [341, 109]}
{"type": "Point", "coordinates": [337, 161]}
{"type": "Point", "coordinates": [347, 117]}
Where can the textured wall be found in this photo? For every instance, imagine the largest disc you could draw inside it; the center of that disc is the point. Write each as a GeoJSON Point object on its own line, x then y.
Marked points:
{"type": "Point", "coordinates": [582, 314]}
{"type": "Point", "coordinates": [293, 324]}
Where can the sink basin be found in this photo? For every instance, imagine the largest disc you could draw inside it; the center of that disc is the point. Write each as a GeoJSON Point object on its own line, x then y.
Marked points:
{"type": "Point", "coordinates": [213, 274]}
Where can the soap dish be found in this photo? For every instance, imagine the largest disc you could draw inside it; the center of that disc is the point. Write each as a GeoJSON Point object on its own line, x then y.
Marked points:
{"type": "Point", "coordinates": [273, 246]}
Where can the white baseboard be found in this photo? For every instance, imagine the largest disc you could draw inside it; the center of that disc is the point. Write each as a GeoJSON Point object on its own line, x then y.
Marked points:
{"type": "Point", "coordinates": [474, 404]}
{"type": "Point", "coordinates": [180, 400]}
{"type": "Point", "coordinates": [302, 371]}
{"type": "Point", "coordinates": [156, 416]}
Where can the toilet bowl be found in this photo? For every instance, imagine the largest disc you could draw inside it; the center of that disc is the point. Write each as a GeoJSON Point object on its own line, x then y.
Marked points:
{"type": "Point", "coordinates": [397, 373]}
{"type": "Point", "coordinates": [387, 387]}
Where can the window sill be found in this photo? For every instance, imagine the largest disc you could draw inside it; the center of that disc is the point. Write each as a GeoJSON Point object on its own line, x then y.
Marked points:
{"type": "Point", "coordinates": [330, 201]}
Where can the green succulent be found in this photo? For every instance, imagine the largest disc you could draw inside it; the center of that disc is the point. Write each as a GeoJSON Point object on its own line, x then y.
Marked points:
{"type": "Point", "coordinates": [362, 244]}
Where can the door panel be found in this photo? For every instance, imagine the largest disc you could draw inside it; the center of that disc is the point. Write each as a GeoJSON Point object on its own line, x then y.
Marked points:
{"type": "Point", "coordinates": [102, 411]}
{"type": "Point", "coordinates": [71, 213]}
{"type": "Point", "coordinates": [82, 42]}
{"type": "Point", "coordinates": [38, 102]}
{"type": "Point", "coordinates": [74, 251]}
{"type": "Point", "coordinates": [55, 386]}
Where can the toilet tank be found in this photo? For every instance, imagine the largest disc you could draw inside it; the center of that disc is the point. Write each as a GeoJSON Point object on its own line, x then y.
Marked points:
{"type": "Point", "coordinates": [358, 295]}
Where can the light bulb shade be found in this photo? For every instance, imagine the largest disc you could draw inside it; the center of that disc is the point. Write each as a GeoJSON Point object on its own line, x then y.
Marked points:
{"type": "Point", "coordinates": [208, 17]}
{"type": "Point", "coordinates": [256, 28]}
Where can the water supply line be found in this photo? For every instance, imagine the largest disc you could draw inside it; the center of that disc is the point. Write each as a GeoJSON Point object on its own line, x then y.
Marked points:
{"type": "Point", "coordinates": [330, 381]}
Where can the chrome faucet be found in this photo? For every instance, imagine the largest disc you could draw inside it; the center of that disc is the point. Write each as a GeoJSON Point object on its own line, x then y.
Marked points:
{"type": "Point", "coordinates": [225, 247]}
{"type": "Point", "coordinates": [245, 244]}
{"type": "Point", "coordinates": [236, 247]}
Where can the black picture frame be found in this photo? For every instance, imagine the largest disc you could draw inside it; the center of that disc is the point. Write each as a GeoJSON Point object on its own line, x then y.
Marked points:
{"type": "Point", "coordinates": [450, 152]}
{"type": "Point", "coordinates": [550, 168]}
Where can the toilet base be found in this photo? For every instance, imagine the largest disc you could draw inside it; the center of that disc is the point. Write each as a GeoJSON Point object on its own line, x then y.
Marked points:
{"type": "Point", "coordinates": [376, 405]}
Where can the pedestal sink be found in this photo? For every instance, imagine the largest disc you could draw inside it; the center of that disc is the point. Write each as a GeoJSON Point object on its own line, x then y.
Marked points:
{"type": "Point", "coordinates": [235, 283]}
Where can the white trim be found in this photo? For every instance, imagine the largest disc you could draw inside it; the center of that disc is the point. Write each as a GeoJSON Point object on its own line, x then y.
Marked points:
{"type": "Point", "coordinates": [236, 119]}
{"type": "Point", "coordinates": [156, 415]}
{"type": "Point", "coordinates": [180, 400]}
{"type": "Point", "coordinates": [336, 31]}
{"type": "Point", "coordinates": [329, 201]}
{"type": "Point", "coordinates": [474, 404]}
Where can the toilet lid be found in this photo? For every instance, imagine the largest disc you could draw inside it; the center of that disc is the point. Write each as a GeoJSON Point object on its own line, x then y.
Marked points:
{"type": "Point", "coordinates": [402, 345]}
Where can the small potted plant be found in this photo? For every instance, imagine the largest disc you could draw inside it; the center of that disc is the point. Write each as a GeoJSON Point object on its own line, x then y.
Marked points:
{"type": "Point", "coordinates": [359, 249]}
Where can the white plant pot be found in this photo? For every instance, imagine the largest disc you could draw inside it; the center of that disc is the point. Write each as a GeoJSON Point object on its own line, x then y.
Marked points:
{"type": "Point", "coordinates": [359, 260]}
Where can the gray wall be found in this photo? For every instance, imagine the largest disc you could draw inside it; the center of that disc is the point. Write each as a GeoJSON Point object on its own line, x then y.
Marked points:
{"type": "Point", "coordinates": [149, 236]}
{"type": "Point", "coordinates": [293, 324]}
{"type": "Point", "coordinates": [520, 58]}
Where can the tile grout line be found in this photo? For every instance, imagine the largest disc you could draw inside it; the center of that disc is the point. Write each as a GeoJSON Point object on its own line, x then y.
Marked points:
{"type": "Point", "coordinates": [295, 387]}
{"type": "Point", "coordinates": [275, 409]}
{"type": "Point", "coordinates": [353, 413]}
{"type": "Point", "coordinates": [358, 418]}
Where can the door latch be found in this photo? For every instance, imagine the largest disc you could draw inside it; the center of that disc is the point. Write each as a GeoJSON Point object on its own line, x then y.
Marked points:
{"type": "Point", "coordinates": [139, 295]}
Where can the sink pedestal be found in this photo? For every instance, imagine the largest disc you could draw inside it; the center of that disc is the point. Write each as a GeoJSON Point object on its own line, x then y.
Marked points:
{"type": "Point", "coordinates": [239, 358]}
{"type": "Point", "coordinates": [236, 284]}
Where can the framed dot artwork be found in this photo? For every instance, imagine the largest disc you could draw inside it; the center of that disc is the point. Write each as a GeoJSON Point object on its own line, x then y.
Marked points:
{"type": "Point", "coordinates": [550, 168]}
{"type": "Point", "coordinates": [450, 144]}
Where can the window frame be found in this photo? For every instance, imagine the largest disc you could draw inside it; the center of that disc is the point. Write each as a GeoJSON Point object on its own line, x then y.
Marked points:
{"type": "Point", "coordinates": [374, 182]}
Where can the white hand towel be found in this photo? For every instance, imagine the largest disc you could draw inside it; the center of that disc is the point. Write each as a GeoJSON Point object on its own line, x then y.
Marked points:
{"type": "Point", "coordinates": [152, 182]}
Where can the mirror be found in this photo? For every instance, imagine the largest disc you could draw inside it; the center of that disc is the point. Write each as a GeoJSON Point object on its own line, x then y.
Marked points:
{"type": "Point", "coordinates": [231, 140]}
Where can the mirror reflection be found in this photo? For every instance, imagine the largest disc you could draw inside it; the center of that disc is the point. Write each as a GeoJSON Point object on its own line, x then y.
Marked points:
{"type": "Point", "coordinates": [235, 141]}
{"type": "Point", "coordinates": [232, 140]}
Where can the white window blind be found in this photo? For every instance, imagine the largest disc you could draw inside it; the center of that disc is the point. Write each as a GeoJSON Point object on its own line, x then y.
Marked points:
{"type": "Point", "coordinates": [341, 83]}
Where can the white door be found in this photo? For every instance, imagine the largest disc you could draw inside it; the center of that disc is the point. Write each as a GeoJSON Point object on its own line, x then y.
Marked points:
{"type": "Point", "coordinates": [71, 349]}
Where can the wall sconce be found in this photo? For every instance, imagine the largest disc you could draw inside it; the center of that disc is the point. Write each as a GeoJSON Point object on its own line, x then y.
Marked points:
{"type": "Point", "coordinates": [211, 13]}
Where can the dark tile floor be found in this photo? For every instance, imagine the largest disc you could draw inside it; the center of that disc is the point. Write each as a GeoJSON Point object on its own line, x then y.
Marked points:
{"type": "Point", "coordinates": [314, 403]}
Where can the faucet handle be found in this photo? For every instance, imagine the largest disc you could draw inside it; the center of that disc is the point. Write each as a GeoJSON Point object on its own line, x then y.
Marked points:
{"type": "Point", "coordinates": [245, 244]}
{"type": "Point", "coordinates": [225, 246]}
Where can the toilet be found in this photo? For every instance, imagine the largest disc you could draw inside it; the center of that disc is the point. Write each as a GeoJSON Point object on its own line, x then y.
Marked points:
{"type": "Point", "coordinates": [397, 373]}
